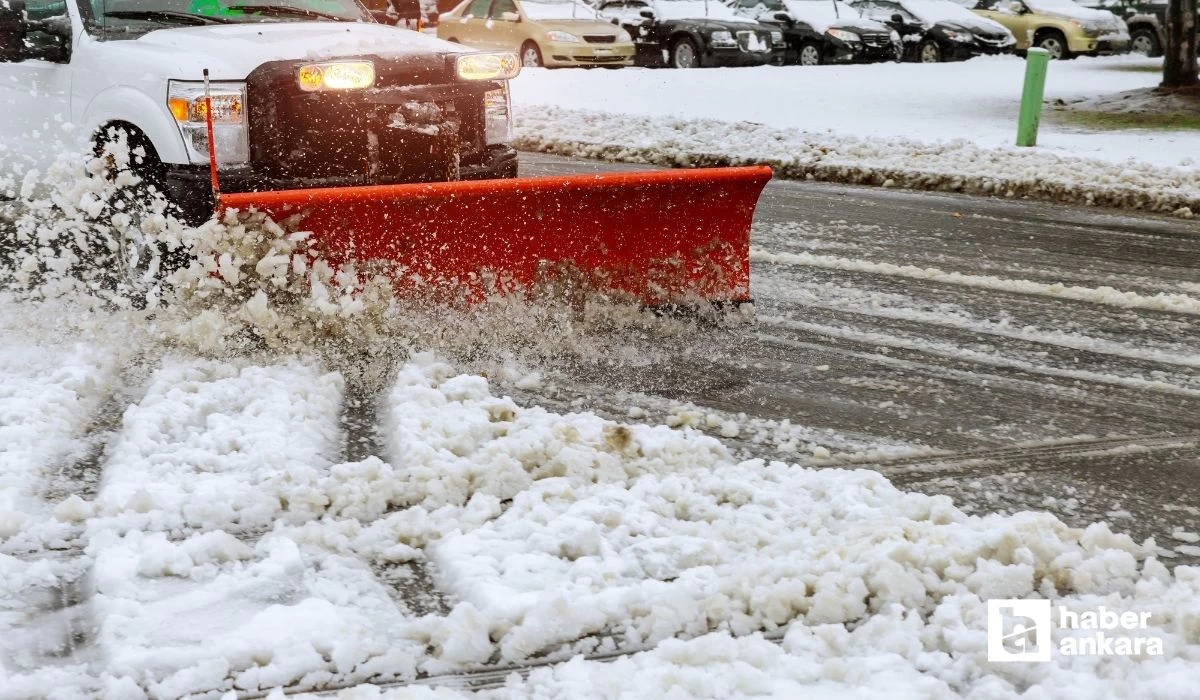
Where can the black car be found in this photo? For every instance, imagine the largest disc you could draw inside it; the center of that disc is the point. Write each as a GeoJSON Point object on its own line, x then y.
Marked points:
{"type": "Point", "coordinates": [693, 33]}
{"type": "Point", "coordinates": [939, 30]}
{"type": "Point", "coordinates": [825, 31]}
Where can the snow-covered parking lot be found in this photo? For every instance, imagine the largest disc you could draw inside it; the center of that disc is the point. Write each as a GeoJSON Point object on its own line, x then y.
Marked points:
{"type": "Point", "coordinates": [946, 126]}
{"type": "Point", "coordinates": [945, 417]}
{"type": "Point", "coordinates": [231, 545]}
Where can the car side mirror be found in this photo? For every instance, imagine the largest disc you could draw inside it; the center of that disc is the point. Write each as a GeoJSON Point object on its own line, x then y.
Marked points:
{"type": "Point", "coordinates": [898, 18]}
{"type": "Point", "coordinates": [648, 14]}
{"type": "Point", "coordinates": [1017, 7]}
{"type": "Point", "coordinates": [783, 17]}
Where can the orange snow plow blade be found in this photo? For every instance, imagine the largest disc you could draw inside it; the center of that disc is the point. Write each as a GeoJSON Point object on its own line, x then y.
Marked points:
{"type": "Point", "coordinates": [661, 237]}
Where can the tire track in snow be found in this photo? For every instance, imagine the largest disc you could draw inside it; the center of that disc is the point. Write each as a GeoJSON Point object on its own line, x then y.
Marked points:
{"type": "Point", "coordinates": [410, 583]}
{"type": "Point", "coordinates": [1108, 296]}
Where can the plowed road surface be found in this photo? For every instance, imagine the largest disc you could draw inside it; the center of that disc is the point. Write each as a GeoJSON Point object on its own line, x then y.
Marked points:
{"type": "Point", "coordinates": [1084, 403]}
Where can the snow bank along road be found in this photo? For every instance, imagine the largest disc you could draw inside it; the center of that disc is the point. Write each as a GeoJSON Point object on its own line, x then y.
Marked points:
{"type": "Point", "coordinates": [188, 525]}
{"type": "Point", "coordinates": [945, 127]}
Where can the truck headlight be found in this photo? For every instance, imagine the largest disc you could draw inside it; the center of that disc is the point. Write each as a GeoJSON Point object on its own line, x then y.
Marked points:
{"type": "Point", "coordinates": [185, 101]}
{"type": "Point", "coordinates": [497, 116]}
{"type": "Point", "coordinates": [336, 75]}
{"type": "Point", "coordinates": [487, 66]}
{"type": "Point", "coordinates": [721, 38]}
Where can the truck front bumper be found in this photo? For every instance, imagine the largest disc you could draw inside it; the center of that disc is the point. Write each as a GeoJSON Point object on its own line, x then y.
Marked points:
{"type": "Point", "coordinates": [189, 186]}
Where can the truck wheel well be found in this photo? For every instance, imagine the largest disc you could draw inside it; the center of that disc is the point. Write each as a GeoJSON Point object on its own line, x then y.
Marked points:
{"type": "Point", "coordinates": [149, 166]}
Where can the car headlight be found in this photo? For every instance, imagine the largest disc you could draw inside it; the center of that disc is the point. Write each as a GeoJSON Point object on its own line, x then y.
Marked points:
{"type": "Point", "coordinates": [497, 113]}
{"type": "Point", "coordinates": [487, 66]}
{"type": "Point", "coordinates": [776, 38]}
{"type": "Point", "coordinates": [895, 37]}
{"type": "Point", "coordinates": [960, 36]}
{"type": "Point", "coordinates": [1087, 26]}
{"type": "Point", "coordinates": [721, 38]}
{"type": "Point", "coordinates": [336, 75]}
{"type": "Point", "coordinates": [185, 101]}
{"type": "Point", "coordinates": [562, 37]}
{"type": "Point", "coordinates": [843, 35]}
{"type": "Point", "coordinates": [623, 37]}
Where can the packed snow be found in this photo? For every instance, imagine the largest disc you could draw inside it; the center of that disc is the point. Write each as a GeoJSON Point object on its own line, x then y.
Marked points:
{"type": "Point", "coordinates": [552, 535]}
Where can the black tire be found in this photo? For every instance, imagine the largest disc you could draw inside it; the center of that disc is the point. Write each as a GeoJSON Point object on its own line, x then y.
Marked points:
{"type": "Point", "coordinates": [137, 266]}
{"type": "Point", "coordinates": [809, 54]}
{"type": "Point", "coordinates": [1055, 43]}
{"type": "Point", "coordinates": [684, 53]}
{"type": "Point", "coordinates": [1144, 40]}
{"type": "Point", "coordinates": [531, 55]}
{"type": "Point", "coordinates": [929, 52]}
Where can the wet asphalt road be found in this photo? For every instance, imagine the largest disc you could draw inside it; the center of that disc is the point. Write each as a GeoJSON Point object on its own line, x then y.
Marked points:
{"type": "Point", "coordinates": [1005, 399]}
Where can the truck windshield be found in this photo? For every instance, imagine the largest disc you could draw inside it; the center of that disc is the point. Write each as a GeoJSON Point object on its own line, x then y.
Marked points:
{"type": "Point", "coordinates": [141, 16]}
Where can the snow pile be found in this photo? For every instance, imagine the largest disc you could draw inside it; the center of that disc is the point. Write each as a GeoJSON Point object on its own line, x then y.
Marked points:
{"type": "Point", "coordinates": [214, 446]}
{"type": "Point", "coordinates": [47, 399]}
{"type": "Point", "coordinates": [943, 127]}
{"type": "Point", "coordinates": [213, 613]}
{"type": "Point", "coordinates": [955, 166]}
{"type": "Point", "coordinates": [869, 588]}
{"type": "Point", "coordinates": [554, 535]}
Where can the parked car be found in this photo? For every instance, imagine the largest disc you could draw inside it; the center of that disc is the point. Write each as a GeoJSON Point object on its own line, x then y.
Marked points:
{"type": "Point", "coordinates": [938, 30]}
{"type": "Point", "coordinates": [825, 31]}
{"type": "Point", "coordinates": [553, 33]}
{"type": "Point", "coordinates": [1147, 23]}
{"type": "Point", "coordinates": [694, 33]}
{"type": "Point", "coordinates": [1062, 27]}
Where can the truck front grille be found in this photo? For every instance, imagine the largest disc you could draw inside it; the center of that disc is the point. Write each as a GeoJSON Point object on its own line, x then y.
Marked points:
{"type": "Point", "coordinates": [361, 137]}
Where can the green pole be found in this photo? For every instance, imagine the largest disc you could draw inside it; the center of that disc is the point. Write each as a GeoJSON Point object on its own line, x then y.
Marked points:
{"type": "Point", "coordinates": [1036, 61]}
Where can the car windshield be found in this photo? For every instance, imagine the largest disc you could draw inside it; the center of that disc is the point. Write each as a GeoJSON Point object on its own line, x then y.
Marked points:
{"type": "Point", "coordinates": [558, 9]}
{"type": "Point", "coordinates": [695, 9]}
{"type": "Point", "coordinates": [1065, 7]}
{"type": "Point", "coordinates": [145, 15]}
{"type": "Point", "coordinates": [820, 12]}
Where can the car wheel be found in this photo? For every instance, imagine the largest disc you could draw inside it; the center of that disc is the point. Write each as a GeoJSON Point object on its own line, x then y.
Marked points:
{"type": "Point", "coordinates": [929, 52]}
{"type": "Point", "coordinates": [1055, 44]}
{"type": "Point", "coordinates": [1144, 41]}
{"type": "Point", "coordinates": [684, 54]}
{"type": "Point", "coordinates": [810, 55]}
{"type": "Point", "coordinates": [531, 55]}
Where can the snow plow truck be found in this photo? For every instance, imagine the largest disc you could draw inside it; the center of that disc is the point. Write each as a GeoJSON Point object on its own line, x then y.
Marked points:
{"type": "Point", "coordinates": [391, 147]}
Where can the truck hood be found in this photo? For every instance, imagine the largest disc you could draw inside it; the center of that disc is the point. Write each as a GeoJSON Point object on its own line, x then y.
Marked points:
{"type": "Point", "coordinates": [232, 51]}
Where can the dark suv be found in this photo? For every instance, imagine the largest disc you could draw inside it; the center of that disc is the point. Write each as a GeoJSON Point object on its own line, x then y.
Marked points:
{"type": "Point", "coordinates": [825, 31]}
{"type": "Point", "coordinates": [693, 33]}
